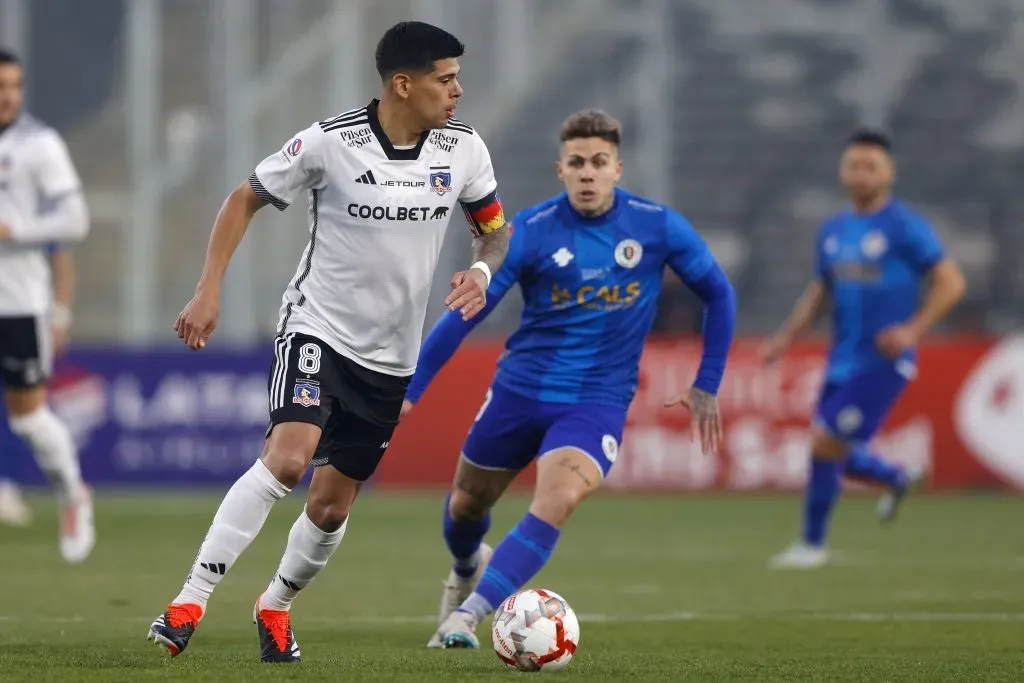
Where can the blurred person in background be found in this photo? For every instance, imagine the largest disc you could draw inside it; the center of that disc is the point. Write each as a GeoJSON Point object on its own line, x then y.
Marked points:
{"type": "Point", "coordinates": [41, 202]}
{"type": "Point", "coordinates": [873, 258]}
{"type": "Point", "coordinates": [13, 509]}
{"type": "Point", "coordinates": [590, 265]}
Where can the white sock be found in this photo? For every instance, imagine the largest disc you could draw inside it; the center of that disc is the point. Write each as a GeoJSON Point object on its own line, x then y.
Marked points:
{"type": "Point", "coordinates": [238, 520]}
{"type": "Point", "coordinates": [54, 449]}
{"type": "Point", "coordinates": [309, 548]}
{"type": "Point", "coordinates": [477, 606]}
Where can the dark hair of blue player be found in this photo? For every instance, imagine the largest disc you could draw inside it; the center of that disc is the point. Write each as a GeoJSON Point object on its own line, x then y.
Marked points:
{"type": "Point", "coordinates": [414, 46]}
{"type": "Point", "coordinates": [872, 138]}
{"type": "Point", "coordinates": [592, 123]}
{"type": "Point", "coordinates": [8, 56]}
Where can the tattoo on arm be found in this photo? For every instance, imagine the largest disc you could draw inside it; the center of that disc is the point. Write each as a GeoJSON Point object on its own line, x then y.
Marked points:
{"type": "Point", "coordinates": [575, 469]}
{"type": "Point", "coordinates": [491, 247]}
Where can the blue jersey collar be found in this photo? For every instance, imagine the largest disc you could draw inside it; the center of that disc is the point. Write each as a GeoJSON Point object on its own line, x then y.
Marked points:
{"type": "Point", "coordinates": [606, 217]}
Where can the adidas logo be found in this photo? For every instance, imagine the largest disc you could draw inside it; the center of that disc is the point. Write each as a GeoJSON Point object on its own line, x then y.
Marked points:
{"type": "Point", "coordinates": [289, 584]}
{"type": "Point", "coordinates": [214, 567]}
{"type": "Point", "coordinates": [367, 179]}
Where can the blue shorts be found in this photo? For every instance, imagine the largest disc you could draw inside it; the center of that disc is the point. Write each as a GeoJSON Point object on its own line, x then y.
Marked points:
{"type": "Point", "coordinates": [854, 409]}
{"type": "Point", "coordinates": [511, 430]}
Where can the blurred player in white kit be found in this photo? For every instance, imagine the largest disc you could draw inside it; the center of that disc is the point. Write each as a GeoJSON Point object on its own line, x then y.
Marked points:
{"type": "Point", "coordinates": [41, 203]}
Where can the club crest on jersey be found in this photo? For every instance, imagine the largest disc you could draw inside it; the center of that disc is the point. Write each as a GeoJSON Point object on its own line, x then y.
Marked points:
{"type": "Point", "coordinates": [441, 182]}
{"type": "Point", "coordinates": [628, 253]}
{"type": "Point", "coordinates": [610, 447]}
{"type": "Point", "coordinates": [295, 146]}
{"type": "Point", "coordinates": [874, 244]}
{"type": "Point", "coordinates": [562, 257]}
{"type": "Point", "coordinates": [307, 394]}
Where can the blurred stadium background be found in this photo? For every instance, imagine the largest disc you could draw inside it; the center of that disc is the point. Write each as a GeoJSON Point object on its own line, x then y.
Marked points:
{"type": "Point", "coordinates": [734, 112]}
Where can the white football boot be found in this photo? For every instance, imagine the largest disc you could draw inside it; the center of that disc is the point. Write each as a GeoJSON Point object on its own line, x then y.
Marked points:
{"type": "Point", "coordinates": [800, 556]}
{"type": "Point", "coordinates": [458, 631]}
{"type": "Point", "coordinates": [456, 590]}
{"type": "Point", "coordinates": [77, 532]}
{"type": "Point", "coordinates": [889, 503]}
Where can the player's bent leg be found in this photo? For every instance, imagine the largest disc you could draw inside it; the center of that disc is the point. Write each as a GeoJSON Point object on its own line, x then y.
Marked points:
{"type": "Point", "coordinates": [881, 389]}
{"type": "Point", "coordinates": [314, 537]}
{"type": "Point", "coordinates": [466, 520]}
{"type": "Point", "coordinates": [565, 477]}
{"type": "Point", "coordinates": [823, 489]}
{"type": "Point", "coordinates": [890, 502]}
{"type": "Point", "coordinates": [54, 449]}
{"type": "Point", "coordinates": [241, 515]}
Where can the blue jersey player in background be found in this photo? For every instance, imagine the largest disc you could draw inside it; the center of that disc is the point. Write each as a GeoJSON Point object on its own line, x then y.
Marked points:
{"type": "Point", "coordinates": [873, 258]}
{"type": "Point", "coordinates": [589, 264]}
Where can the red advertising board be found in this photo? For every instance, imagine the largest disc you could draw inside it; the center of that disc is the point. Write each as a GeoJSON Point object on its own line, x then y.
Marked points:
{"type": "Point", "coordinates": [963, 416]}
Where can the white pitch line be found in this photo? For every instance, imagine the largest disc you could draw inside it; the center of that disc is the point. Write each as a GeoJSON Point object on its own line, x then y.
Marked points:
{"type": "Point", "coordinates": [670, 617]}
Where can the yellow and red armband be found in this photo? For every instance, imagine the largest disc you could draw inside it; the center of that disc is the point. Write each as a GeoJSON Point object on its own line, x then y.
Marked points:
{"type": "Point", "coordinates": [485, 215]}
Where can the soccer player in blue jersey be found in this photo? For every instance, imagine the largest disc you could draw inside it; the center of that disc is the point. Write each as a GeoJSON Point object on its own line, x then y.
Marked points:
{"type": "Point", "coordinates": [873, 259]}
{"type": "Point", "coordinates": [589, 263]}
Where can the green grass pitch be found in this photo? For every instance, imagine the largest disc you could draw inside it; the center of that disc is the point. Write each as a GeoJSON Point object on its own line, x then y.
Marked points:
{"type": "Point", "coordinates": [668, 589]}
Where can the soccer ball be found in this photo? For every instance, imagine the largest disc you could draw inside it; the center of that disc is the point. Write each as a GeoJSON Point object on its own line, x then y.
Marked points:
{"type": "Point", "coordinates": [535, 630]}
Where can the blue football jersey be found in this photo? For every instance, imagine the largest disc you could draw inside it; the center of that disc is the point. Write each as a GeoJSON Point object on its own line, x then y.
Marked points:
{"type": "Point", "coordinates": [590, 287]}
{"type": "Point", "coordinates": [875, 266]}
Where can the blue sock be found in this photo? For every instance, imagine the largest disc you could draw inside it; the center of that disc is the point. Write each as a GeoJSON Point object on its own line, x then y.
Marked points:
{"type": "Point", "coordinates": [463, 539]}
{"type": "Point", "coordinates": [865, 465]}
{"type": "Point", "coordinates": [822, 492]}
{"type": "Point", "coordinates": [518, 557]}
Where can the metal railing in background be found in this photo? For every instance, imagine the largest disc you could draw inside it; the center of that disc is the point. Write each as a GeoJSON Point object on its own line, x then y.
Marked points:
{"type": "Point", "coordinates": [732, 113]}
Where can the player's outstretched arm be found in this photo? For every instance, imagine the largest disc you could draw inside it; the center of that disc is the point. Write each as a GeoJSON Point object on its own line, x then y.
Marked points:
{"type": "Point", "coordinates": [807, 309]}
{"type": "Point", "coordinates": [696, 266]}
{"type": "Point", "coordinates": [719, 298]}
{"type": "Point", "coordinates": [441, 344]}
{"type": "Point", "coordinates": [449, 331]}
{"type": "Point", "coordinates": [65, 280]}
{"type": "Point", "coordinates": [199, 318]}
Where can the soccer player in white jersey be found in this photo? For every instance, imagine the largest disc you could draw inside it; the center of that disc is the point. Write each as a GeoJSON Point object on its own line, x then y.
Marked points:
{"type": "Point", "coordinates": [381, 184]}
{"type": "Point", "coordinates": [40, 202]}
{"type": "Point", "coordinates": [13, 509]}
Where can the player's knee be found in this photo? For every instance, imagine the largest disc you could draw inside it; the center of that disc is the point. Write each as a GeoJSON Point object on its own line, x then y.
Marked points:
{"type": "Point", "coordinates": [555, 506]}
{"type": "Point", "coordinates": [824, 446]}
{"type": "Point", "coordinates": [289, 450]}
{"type": "Point", "coordinates": [21, 402]}
{"type": "Point", "coordinates": [287, 465]}
{"type": "Point", "coordinates": [468, 506]}
{"type": "Point", "coordinates": [327, 513]}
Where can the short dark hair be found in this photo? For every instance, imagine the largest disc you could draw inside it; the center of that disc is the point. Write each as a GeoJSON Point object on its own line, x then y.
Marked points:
{"type": "Point", "coordinates": [414, 46]}
{"type": "Point", "coordinates": [868, 136]}
{"type": "Point", "coordinates": [8, 56]}
{"type": "Point", "coordinates": [592, 123]}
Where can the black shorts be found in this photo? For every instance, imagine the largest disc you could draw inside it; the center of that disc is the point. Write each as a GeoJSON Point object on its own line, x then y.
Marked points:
{"type": "Point", "coordinates": [357, 408]}
{"type": "Point", "coordinates": [25, 356]}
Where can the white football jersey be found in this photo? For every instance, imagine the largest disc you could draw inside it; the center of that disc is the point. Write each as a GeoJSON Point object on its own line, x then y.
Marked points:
{"type": "Point", "coordinates": [36, 173]}
{"type": "Point", "coordinates": [377, 220]}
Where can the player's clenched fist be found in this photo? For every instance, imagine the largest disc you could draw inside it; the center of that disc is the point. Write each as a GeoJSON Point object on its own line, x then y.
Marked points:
{"type": "Point", "coordinates": [469, 293]}
{"type": "Point", "coordinates": [196, 323]}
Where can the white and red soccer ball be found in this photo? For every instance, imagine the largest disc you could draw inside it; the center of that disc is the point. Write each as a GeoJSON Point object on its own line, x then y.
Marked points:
{"type": "Point", "coordinates": [535, 630]}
